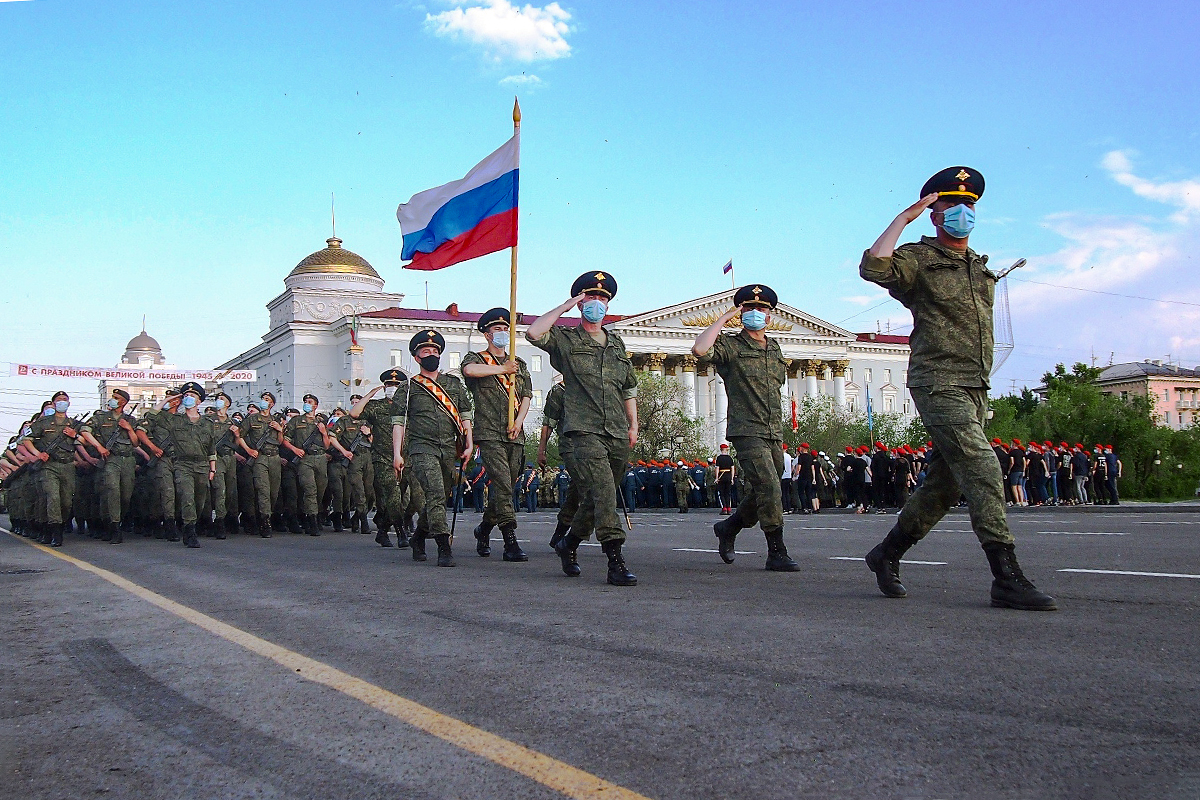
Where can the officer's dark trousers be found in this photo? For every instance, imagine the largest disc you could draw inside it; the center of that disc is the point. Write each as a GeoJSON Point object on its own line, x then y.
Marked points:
{"type": "Point", "coordinates": [962, 463]}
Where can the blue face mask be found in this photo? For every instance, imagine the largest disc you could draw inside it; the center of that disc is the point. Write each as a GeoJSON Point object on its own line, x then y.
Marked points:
{"type": "Point", "coordinates": [754, 320]}
{"type": "Point", "coordinates": [306, 408]}
{"type": "Point", "coordinates": [594, 310]}
{"type": "Point", "coordinates": [263, 405]}
{"type": "Point", "coordinates": [220, 404]}
{"type": "Point", "coordinates": [959, 221]}
{"type": "Point", "coordinates": [500, 338]}
{"type": "Point", "coordinates": [48, 411]}
{"type": "Point", "coordinates": [61, 406]}
{"type": "Point", "coordinates": [112, 404]}
{"type": "Point", "coordinates": [189, 401]}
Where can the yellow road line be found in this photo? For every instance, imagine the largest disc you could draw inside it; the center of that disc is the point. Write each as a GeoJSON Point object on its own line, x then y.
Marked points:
{"type": "Point", "coordinates": [547, 771]}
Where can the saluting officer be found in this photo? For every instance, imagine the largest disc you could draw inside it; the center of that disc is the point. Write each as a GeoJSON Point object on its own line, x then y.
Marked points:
{"type": "Point", "coordinates": [307, 438]}
{"type": "Point", "coordinates": [754, 371]}
{"type": "Point", "coordinates": [489, 375]}
{"type": "Point", "coordinates": [600, 401]}
{"type": "Point", "coordinates": [379, 414]}
{"type": "Point", "coordinates": [949, 290]}
{"type": "Point", "coordinates": [432, 423]}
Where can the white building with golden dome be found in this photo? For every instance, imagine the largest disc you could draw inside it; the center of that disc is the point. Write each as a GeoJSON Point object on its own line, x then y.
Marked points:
{"type": "Point", "coordinates": [142, 353]}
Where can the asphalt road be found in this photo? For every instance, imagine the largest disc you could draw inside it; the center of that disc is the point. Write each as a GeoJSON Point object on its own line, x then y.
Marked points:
{"type": "Point", "coordinates": [704, 681]}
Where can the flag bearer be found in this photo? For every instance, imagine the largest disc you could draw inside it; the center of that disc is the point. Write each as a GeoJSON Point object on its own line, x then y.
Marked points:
{"type": "Point", "coordinates": [489, 375]}
{"type": "Point", "coordinates": [949, 290]}
{"type": "Point", "coordinates": [754, 371]}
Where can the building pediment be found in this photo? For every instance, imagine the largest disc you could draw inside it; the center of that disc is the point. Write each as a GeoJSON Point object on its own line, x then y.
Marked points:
{"type": "Point", "coordinates": [696, 315]}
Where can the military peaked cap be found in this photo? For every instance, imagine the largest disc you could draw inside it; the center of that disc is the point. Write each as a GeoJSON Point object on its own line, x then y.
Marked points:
{"type": "Point", "coordinates": [172, 392]}
{"type": "Point", "coordinates": [756, 295]}
{"type": "Point", "coordinates": [955, 182]}
{"type": "Point", "coordinates": [312, 397]}
{"type": "Point", "coordinates": [390, 376]}
{"type": "Point", "coordinates": [59, 393]}
{"type": "Point", "coordinates": [122, 394]}
{"type": "Point", "coordinates": [426, 337]}
{"type": "Point", "coordinates": [595, 283]}
{"type": "Point", "coordinates": [494, 316]}
{"type": "Point", "coordinates": [268, 394]}
{"type": "Point", "coordinates": [194, 388]}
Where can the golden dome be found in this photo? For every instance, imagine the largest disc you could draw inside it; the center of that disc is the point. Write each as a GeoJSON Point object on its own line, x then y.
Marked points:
{"type": "Point", "coordinates": [335, 260]}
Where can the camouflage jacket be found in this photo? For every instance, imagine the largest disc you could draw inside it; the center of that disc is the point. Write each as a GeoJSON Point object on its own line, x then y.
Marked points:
{"type": "Point", "coordinates": [491, 401]}
{"type": "Point", "coordinates": [597, 380]}
{"type": "Point", "coordinates": [105, 426]}
{"type": "Point", "coordinates": [754, 377]}
{"type": "Point", "coordinates": [950, 296]}
{"type": "Point", "coordinates": [427, 427]}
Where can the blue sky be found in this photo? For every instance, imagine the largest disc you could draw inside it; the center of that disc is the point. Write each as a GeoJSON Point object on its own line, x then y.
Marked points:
{"type": "Point", "coordinates": [175, 160]}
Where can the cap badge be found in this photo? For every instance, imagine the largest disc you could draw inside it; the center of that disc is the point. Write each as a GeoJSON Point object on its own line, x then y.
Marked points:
{"type": "Point", "coordinates": [600, 276]}
{"type": "Point", "coordinates": [963, 175]}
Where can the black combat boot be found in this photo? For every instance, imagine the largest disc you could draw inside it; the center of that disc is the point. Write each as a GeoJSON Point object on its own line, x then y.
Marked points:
{"type": "Point", "coordinates": [445, 555]}
{"type": "Point", "coordinates": [217, 527]}
{"type": "Point", "coordinates": [512, 550]}
{"type": "Point", "coordinates": [568, 551]}
{"type": "Point", "coordinates": [418, 546]}
{"type": "Point", "coordinates": [231, 524]}
{"type": "Point", "coordinates": [618, 573]}
{"type": "Point", "coordinates": [401, 536]}
{"type": "Point", "coordinates": [358, 523]}
{"type": "Point", "coordinates": [322, 520]}
{"type": "Point", "coordinates": [293, 523]}
{"type": "Point", "coordinates": [560, 530]}
{"type": "Point", "coordinates": [382, 537]}
{"type": "Point", "coordinates": [726, 531]}
{"type": "Point", "coordinates": [884, 561]}
{"type": "Point", "coordinates": [57, 532]}
{"type": "Point", "coordinates": [115, 535]}
{"type": "Point", "coordinates": [1011, 589]}
{"type": "Point", "coordinates": [101, 530]}
{"type": "Point", "coordinates": [277, 523]}
{"type": "Point", "coordinates": [337, 522]}
{"type": "Point", "coordinates": [264, 526]}
{"type": "Point", "coordinates": [170, 530]}
{"type": "Point", "coordinates": [483, 540]}
{"type": "Point", "coordinates": [313, 524]}
{"type": "Point", "coordinates": [43, 532]}
{"type": "Point", "coordinates": [777, 555]}
{"type": "Point", "coordinates": [189, 535]}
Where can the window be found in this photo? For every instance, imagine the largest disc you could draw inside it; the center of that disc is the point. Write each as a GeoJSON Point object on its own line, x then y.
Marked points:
{"type": "Point", "coordinates": [535, 363]}
{"type": "Point", "coordinates": [536, 400]}
{"type": "Point", "coordinates": [397, 358]}
{"type": "Point", "coordinates": [907, 412]}
{"type": "Point", "coordinates": [867, 375]}
{"type": "Point", "coordinates": [889, 404]}
{"type": "Point", "coordinates": [887, 376]}
{"type": "Point", "coordinates": [453, 360]}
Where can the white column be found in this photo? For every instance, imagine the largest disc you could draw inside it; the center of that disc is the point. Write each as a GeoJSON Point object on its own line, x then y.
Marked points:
{"type": "Point", "coordinates": [722, 411]}
{"type": "Point", "coordinates": [839, 390]}
{"type": "Point", "coordinates": [689, 385]}
{"type": "Point", "coordinates": [810, 385]}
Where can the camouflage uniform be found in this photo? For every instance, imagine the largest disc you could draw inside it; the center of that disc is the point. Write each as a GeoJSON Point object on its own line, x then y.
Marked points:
{"type": "Point", "coordinates": [950, 295]}
{"type": "Point", "coordinates": [430, 444]}
{"type": "Point", "coordinates": [682, 487]}
{"type": "Point", "coordinates": [503, 458]}
{"type": "Point", "coordinates": [265, 471]}
{"type": "Point", "coordinates": [347, 477]}
{"type": "Point", "coordinates": [56, 476]}
{"type": "Point", "coordinates": [162, 467]}
{"type": "Point", "coordinates": [225, 482]}
{"type": "Point", "coordinates": [597, 380]}
{"type": "Point", "coordinates": [754, 376]}
{"type": "Point", "coordinates": [311, 473]}
{"type": "Point", "coordinates": [117, 472]}
{"type": "Point", "coordinates": [389, 505]}
{"type": "Point", "coordinates": [552, 414]}
{"type": "Point", "coordinates": [195, 454]}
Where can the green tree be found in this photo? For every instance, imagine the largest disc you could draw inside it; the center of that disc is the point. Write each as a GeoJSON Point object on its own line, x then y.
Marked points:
{"type": "Point", "coordinates": [664, 430]}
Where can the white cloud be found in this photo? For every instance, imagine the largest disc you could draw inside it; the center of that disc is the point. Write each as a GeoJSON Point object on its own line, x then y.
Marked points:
{"type": "Point", "coordinates": [1184, 194]}
{"type": "Point", "coordinates": [522, 81]}
{"type": "Point", "coordinates": [860, 299]}
{"type": "Point", "coordinates": [505, 31]}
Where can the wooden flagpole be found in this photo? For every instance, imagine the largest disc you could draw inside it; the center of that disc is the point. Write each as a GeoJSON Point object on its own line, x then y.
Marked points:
{"type": "Point", "coordinates": [512, 289]}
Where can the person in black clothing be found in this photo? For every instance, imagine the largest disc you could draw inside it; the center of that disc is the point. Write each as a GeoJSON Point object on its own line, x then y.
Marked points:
{"type": "Point", "coordinates": [881, 477]}
{"type": "Point", "coordinates": [1016, 472]}
{"type": "Point", "coordinates": [858, 477]}
{"type": "Point", "coordinates": [1005, 467]}
{"type": "Point", "coordinates": [1035, 476]}
{"type": "Point", "coordinates": [725, 474]}
{"type": "Point", "coordinates": [806, 479]}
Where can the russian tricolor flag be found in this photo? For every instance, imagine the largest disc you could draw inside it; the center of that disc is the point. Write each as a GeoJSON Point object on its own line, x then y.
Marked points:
{"type": "Point", "coordinates": [467, 218]}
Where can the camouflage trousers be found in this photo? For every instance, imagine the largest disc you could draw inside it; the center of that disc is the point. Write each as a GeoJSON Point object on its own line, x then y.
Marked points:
{"type": "Point", "coordinates": [265, 474]}
{"type": "Point", "coordinates": [225, 486]}
{"type": "Point", "coordinates": [962, 462]}
{"type": "Point", "coordinates": [569, 506]}
{"type": "Point", "coordinates": [116, 486]}
{"type": "Point", "coordinates": [191, 489]}
{"type": "Point", "coordinates": [164, 483]}
{"type": "Point", "coordinates": [596, 464]}
{"type": "Point", "coordinates": [761, 503]}
{"type": "Point", "coordinates": [58, 490]}
{"type": "Point", "coordinates": [347, 484]}
{"type": "Point", "coordinates": [389, 502]}
{"type": "Point", "coordinates": [312, 473]}
{"type": "Point", "coordinates": [504, 462]}
{"type": "Point", "coordinates": [435, 475]}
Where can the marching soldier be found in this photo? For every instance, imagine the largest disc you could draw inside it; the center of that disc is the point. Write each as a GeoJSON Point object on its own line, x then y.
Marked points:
{"type": "Point", "coordinates": [568, 490]}
{"type": "Point", "coordinates": [489, 375]}
{"type": "Point", "coordinates": [433, 425]}
{"type": "Point", "coordinates": [52, 439]}
{"type": "Point", "coordinates": [683, 486]}
{"type": "Point", "coordinates": [347, 470]}
{"type": "Point", "coordinates": [194, 456]}
{"type": "Point", "coordinates": [225, 483]}
{"type": "Point", "coordinates": [949, 290]}
{"type": "Point", "coordinates": [379, 415]}
{"type": "Point", "coordinates": [307, 438]}
{"type": "Point", "coordinates": [754, 371]}
{"type": "Point", "coordinates": [111, 433]}
{"type": "Point", "coordinates": [259, 436]}
{"type": "Point", "coordinates": [600, 398]}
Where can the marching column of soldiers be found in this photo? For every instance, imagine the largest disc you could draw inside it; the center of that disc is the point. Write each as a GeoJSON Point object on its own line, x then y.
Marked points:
{"type": "Point", "coordinates": [178, 473]}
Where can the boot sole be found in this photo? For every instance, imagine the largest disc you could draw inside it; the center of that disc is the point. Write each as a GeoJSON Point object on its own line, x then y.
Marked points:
{"type": "Point", "coordinates": [1022, 606]}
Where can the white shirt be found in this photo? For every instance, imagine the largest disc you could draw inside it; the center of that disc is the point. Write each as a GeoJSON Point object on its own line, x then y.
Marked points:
{"type": "Point", "coordinates": [787, 466]}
